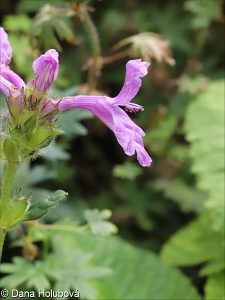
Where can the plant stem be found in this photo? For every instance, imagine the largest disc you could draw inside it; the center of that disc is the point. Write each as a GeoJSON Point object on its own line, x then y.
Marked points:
{"type": "Point", "coordinates": [114, 57]}
{"type": "Point", "coordinates": [7, 184]}
{"type": "Point", "coordinates": [96, 65]}
{"type": "Point", "coordinates": [2, 239]}
{"type": "Point", "coordinates": [6, 194]}
{"type": "Point", "coordinates": [58, 227]}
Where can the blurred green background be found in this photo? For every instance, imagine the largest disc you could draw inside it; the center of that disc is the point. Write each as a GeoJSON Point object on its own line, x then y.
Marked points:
{"type": "Point", "coordinates": [175, 208]}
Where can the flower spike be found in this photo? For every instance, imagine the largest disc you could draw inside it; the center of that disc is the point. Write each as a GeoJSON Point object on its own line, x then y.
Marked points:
{"type": "Point", "coordinates": [30, 101]}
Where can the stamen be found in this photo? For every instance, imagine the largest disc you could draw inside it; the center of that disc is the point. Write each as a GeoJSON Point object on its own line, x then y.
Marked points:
{"type": "Point", "coordinates": [133, 108]}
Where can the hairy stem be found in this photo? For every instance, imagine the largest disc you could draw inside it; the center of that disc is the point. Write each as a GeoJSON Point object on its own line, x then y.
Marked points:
{"type": "Point", "coordinates": [58, 227]}
{"type": "Point", "coordinates": [7, 185]}
{"type": "Point", "coordinates": [5, 196]}
{"type": "Point", "coordinates": [114, 57]}
{"type": "Point", "coordinates": [96, 52]}
{"type": "Point", "coordinates": [2, 239]}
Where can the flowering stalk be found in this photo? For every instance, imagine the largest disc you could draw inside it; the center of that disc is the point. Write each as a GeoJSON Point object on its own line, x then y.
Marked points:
{"type": "Point", "coordinates": [28, 126]}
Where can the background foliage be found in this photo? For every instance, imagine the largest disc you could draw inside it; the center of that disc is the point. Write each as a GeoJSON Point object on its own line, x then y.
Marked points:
{"type": "Point", "coordinates": [170, 217]}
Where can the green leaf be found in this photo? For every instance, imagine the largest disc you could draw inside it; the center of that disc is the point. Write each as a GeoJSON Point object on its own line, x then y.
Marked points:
{"type": "Point", "coordinates": [98, 225]}
{"type": "Point", "coordinates": [69, 121]}
{"type": "Point", "coordinates": [136, 274]}
{"type": "Point", "coordinates": [204, 12]}
{"type": "Point", "coordinates": [193, 244]}
{"type": "Point", "coordinates": [127, 171]}
{"type": "Point", "coordinates": [213, 266]}
{"type": "Point", "coordinates": [165, 130]}
{"type": "Point", "coordinates": [214, 288]}
{"type": "Point", "coordinates": [205, 131]}
{"type": "Point", "coordinates": [54, 152]}
{"type": "Point", "coordinates": [22, 271]}
{"type": "Point", "coordinates": [73, 270]}
{"type": "Point", "coordinates": [64, 32]}
{"type": "Point", "coordinates": [51, 24]}
{"type": "Point", "coordinates": [42, 206]}
{"type": "Point", "coordinates": [17, 23]}
{"type": "Point", "coordinates": [189, 198]}
{"type": "Point", "coordinates": [33, 6]}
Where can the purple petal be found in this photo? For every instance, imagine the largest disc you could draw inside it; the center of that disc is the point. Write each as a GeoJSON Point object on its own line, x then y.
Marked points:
{"type": "Point", "coordinates": [135, 69]}
{"type": "Point", "coordinates": [49, 106]}
{"type": "Point", "coordinates": [7, 88]}
{"type": "Point", "coordinates": [98, 105]}
{"type": "Point", "coordinates": [12, 77]}
{"type": "Point", "coordinates": [142, 156]}
{"type": "Point", "coordinates": [5, 48]}
{"type": "Point", "coordinates": [129, 136]}
{"type": "Point", "coordinates": [46, 69]}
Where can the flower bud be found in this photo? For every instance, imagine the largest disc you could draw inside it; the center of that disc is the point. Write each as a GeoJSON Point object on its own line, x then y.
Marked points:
{"type": "Point", "coordinates": [46, 69]}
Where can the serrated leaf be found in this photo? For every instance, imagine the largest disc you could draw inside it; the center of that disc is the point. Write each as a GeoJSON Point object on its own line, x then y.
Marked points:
{"type": "Point", "coordinates": [193, 244]}
{"type": "Point", "coordinates": [54, 152]}
{"type": "Point", "coordinates": [214, 266]}
{"type": "Point", "coordinates": [74, 271]}
{"type": "Point", "coordinates": [204, 127]}
{"type": "Point", "coordinates": [132, 268]}
{"type": "Point", "coordinates": [214, 288]}
{"type": "Point", "coordinates": [204, 12]}
{"type": "Point", "coordinates": [189, 198]}
{"type": "Point", "coordinates": [64, 32]}
{"type": "Point", "coordinates": [68, 120]}
{"type": "Point", "coordinates": [22, 271]}
{"type": "Point", "coordinates": [98, 225]}
{"type": "Point", "coordinates": [53, 22]}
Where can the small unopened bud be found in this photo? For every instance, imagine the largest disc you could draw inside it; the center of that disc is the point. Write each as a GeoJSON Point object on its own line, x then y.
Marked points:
{"type": "Point", "coordinates": [46, 69]}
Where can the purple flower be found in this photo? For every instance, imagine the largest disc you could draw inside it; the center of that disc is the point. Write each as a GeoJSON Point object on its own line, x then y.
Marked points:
{"type": "Point", "coordinates": [7, 87]}
{"type": "Point", "coordinates": [5, 58]}
{"type": "Point", "coordinates": [6, 50]}
{"type": "Point", "coordinates": [107, 109]}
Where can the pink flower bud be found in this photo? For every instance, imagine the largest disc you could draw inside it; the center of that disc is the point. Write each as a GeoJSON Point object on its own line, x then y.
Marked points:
{"type": "Point", "coordinates": [46, 69]}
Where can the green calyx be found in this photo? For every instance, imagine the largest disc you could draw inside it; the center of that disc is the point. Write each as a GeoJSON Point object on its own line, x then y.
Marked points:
{"type": "Point", "coordinates": [28, 127]}
{"type": "Point", "coordinates": [23, 142]}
